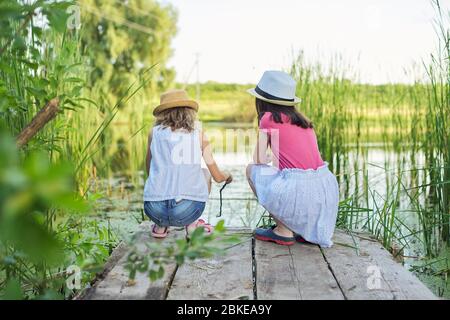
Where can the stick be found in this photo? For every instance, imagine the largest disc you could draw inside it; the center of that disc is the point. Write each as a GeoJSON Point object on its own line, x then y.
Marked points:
{"type": "Point", "coordinates": [46, 114]}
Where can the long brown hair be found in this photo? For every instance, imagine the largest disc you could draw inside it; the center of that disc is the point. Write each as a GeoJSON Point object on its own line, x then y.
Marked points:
{"type": "Point", "coordinates": [295, 116]}
{"type": "Point", "coordinates": [177, 118]}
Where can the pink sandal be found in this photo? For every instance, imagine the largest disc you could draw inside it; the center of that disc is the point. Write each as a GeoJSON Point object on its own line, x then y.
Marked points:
{"type": "Point", "coordinates": [197, 224]}
{"type": "Point", "coordinates": [158, 234]}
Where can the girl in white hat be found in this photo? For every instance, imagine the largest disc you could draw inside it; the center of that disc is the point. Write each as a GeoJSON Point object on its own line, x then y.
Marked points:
{"type": "Point", "coordinates": [298, 190]}
{"type": "Point", "coordinates": [177, 188]}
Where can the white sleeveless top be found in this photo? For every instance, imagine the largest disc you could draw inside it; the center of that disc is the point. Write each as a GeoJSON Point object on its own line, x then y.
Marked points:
{"type": "Point", "coordinates": [175, 167]}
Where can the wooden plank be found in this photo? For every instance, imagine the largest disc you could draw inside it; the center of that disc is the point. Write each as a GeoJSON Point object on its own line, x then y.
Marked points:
{"type": "Point", "coordinates": [402, 283]}
{"type": "Point", "coordinates": [115, 257]}
{"type": "Point", "coordinates": [350, 265]}
{"type": "Point", "coordinates": [114, 285]}
{"type": "Point", "coordinates": [298, 272]}
{"type": "Point", "coordinates": [367, 271]}
{"type": "Point", "coordinates": [354, 268]}
{"type": "Point", "coordinates": [221, 277]}
{"type": "Point", "coordinates": [315, 278]}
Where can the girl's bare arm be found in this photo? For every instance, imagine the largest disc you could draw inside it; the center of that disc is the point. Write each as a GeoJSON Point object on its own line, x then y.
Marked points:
{"type": "Point", "coordinates": [260, 155]}
{"type": "Point", "coordinates": [149, 153]}
{"type": "Point", "coordinates": [216, 173]}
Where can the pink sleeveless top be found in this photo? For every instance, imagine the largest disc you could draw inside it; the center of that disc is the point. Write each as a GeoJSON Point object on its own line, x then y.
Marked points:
{"type": "Point", "coordinates": [296, 147]}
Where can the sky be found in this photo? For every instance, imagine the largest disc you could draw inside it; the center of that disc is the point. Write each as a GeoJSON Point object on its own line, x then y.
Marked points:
{"type": "Point", "coordinates": [237, 40]}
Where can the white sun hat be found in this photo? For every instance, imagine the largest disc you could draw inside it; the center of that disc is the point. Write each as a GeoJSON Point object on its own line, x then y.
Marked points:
{"type": "Point", "coordinates": [276, 87]}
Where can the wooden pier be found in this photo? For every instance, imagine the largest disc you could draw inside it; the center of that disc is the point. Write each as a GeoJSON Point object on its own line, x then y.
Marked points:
{"type": "Point", "coordinates": [356, 267]}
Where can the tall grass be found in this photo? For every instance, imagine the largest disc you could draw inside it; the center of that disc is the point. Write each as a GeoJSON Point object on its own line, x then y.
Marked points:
{"type": "Point", "coordinates": [41, 62]}
{"type": "Point", "coordinates": [436, 144]}
{"type": "Point", "coordinates": [410, 122]}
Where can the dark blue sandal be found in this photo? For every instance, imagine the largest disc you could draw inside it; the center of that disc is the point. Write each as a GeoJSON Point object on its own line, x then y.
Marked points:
{"type": "Point", "coordinates": [297, 237]}
{"type": "Point", "coordinates": [271, 236]}
{"type": "Point", "coordinates": [300, 239]}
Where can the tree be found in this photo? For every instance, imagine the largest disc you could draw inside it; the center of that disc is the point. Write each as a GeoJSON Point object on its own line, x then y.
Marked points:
{"type": "Point", "coordinates": [124, 38]}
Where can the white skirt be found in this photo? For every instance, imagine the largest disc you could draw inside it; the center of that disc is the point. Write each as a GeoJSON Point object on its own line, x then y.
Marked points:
{"type": "Point", "coordinates": [306, 201]}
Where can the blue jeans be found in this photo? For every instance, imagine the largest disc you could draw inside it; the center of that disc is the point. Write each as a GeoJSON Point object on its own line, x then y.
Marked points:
{"type": "Point", "coordinates": [171, 213]}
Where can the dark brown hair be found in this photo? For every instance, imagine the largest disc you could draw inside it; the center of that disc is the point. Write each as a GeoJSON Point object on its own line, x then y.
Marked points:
{"type": "Point", "coordinates": [295, 117]}
{"type": "Point", "coordinates": [177, 118]}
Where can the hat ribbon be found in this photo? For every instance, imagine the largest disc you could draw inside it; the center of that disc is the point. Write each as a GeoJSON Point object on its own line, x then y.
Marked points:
{"type": "Point", "coordinates": [269, 96]}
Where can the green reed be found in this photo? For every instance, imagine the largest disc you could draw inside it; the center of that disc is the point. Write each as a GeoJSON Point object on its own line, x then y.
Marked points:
{"type": "Point", "coordinates": [408, 122]}
{"type": "Point", "coordinates": [40, 63]}
{"type": "Point", "coordinates": [436, 144]}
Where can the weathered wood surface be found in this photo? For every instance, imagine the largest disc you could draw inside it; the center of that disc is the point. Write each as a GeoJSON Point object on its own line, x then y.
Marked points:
{"type": "Point", "coordinates": [367, 271]}
{"type": "Point", "coordinates": [115, 285]}
{"type": "Point", "coordinates": [297, 272]}
{"type": "Point", "coordinates": [356, 267]}
{"type": "Point", "coordinates": [222, 277]}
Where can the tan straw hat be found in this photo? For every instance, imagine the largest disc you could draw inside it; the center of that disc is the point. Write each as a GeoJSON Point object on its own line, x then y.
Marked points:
{"type": "Point", "coordinates": [174, 99]}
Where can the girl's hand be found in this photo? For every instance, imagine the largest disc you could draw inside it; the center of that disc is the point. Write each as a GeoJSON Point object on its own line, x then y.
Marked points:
{"type": "Point", "coordinates": [229, 178]}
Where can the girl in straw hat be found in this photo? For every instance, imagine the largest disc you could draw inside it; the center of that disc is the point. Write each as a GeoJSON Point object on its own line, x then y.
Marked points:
{"type": "Point", "coordinates": [299, 190]}
{"type": "Point", "coordinates": [177, 188]}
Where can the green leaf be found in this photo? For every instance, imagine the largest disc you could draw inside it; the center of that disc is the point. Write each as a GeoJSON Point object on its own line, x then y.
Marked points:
{"type": "Point", "coordinates": [50, 294]}
{"type": "Point", "coordinates": [143, 266]}
{"type": "Point", "coordinates": [89, 100]}
{"type": "Point", "coordinates": [57, 18]}
{"type": "Point", "coordinates": [38, 93]}
{"type": "Point", "coordinates": [161, 272]}
{"type": "Point", "coordinates": [155, 275]}
{"type": "Point", "coordinates": [74, 65]}
{"type": "Point", "coordinates": [37, 31]}
{"type": "Point", "coordinates": [19, 44]}
{"type": "Point", "coordinates": [74, 79]}
{"type": "Point", "coordinates": [198, 232]}
{"type": "Point", "coordinates": [32, 65]}
{"type": "Point", "coordinates": [179, 258]}
{"type": "Point", "coordinates": [5, 67]}
{"type": "Point", "coordinates": [72, 202]}
{"type": "Point", "coordinates": [220, 226]}
{"type": "Point", "coordinates": [13, 290]}
{"type": "Point", "coordinates": [132, 274]}
{"type": "Point", "coordinates": [76, 91]}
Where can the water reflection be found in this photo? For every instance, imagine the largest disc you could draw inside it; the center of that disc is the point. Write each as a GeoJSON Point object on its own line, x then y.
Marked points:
{"type": "Point", "coordinates": [120, 160]}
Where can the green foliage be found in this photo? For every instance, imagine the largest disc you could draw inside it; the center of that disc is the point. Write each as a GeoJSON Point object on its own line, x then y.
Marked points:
{"type": "Point", "coordinates": [41, 229]}
{"type": "Point", "coordinates": [437, 129]}
{"type": "Point", "coordinates": [122, 39]}
{"type": "Point", "coordinates": [13, 290]}
{"type": "Point", "coordinates": [27, 191]}
{"type": "Point", "coordinates": [435, 272]}
{"type": "Point", "coordinates": [38, 63]}
{"type": "Point", "coordinates": [32, 192]}
{"type": "Point", "coordinates": [224, 102]}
